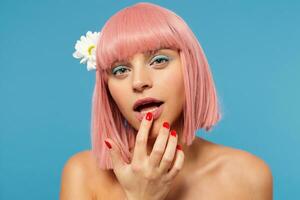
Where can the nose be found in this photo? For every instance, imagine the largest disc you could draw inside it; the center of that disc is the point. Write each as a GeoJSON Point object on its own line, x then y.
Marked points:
{"type": "Point", "coordinates": [141, 79]}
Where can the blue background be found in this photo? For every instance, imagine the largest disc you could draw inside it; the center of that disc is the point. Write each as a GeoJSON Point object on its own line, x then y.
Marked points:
{"type": "Point", "coordinates": [253, 48]}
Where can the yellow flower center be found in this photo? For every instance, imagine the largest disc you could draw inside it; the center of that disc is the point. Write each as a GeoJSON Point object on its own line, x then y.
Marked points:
{"type": "Point", "coordinates": [90, 49]}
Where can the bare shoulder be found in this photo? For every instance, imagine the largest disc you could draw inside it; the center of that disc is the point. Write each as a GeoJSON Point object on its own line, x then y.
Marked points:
{"type": "Point", "coordinates": [79, 177]}
{"type": "Point", "coordinates": [243, 170]}
{"type": "Point", "coordinates": [250, 165]}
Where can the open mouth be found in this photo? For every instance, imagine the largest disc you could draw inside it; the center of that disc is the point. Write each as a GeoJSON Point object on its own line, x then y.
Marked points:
{"type": "Point", "coordinates": [148, 107]}
{"type": "Point", "coordinates": [156, 108]}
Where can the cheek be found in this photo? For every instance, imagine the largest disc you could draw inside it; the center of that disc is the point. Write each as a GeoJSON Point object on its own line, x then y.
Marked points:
{"type": "Point", "coordinates": [176, 90]}
{"type": "Point", "coordinates": [172, 81]}
{"type": "Point", "coordinates": [122, 98]}
{"type": "Point", "coordinates": [178, 95]}
{"type": "Point", "coordinates": [118, 94]}
{"type": "Point", "coordinates": [177, 82]}
{"type": "Point", "coordinates": [171, 86]}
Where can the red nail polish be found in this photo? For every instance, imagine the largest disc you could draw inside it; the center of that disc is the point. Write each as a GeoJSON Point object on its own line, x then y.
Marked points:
{"type": "Point", "coordinates": [166, 125]}
{"type": "Point", "coordinates": [178, 147]}
{"type": "Point", "coordinates": [149, 116]}
{"type": "Point", "coordinates": [108, 144]}
{"type": "Point", "coordinates": [173, 133]}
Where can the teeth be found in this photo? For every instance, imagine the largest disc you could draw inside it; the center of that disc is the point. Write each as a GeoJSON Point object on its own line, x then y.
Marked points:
{"type": "Point", "coordinates": [148, 110]}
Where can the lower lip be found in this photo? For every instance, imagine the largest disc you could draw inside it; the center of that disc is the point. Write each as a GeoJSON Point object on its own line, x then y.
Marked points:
{"type": "Point", "coordinates": [156, 113]}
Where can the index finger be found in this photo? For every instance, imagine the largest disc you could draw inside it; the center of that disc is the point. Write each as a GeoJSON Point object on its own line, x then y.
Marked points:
{"type": "Point", "coordinates": [140, 148]}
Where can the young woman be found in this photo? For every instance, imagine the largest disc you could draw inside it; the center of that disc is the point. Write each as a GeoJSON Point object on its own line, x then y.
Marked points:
{"type": "Point", "coordinates": [153, 90]}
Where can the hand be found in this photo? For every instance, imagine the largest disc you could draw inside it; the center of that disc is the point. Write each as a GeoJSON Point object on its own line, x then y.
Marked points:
{"type": "Point", "coordinates": [148, 177]}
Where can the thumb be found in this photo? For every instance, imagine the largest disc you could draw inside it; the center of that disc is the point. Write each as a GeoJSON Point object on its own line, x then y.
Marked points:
{"type": "Point", "coordinates": [115, 154]}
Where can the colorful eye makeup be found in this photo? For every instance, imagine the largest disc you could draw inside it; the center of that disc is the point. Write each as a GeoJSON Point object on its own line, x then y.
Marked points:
{"type": "Point", "coordinates": [156, 60]}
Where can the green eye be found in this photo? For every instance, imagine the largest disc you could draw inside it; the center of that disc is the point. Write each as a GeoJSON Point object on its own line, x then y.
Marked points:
{"type": "Point", "coordinates": [160, 59]}
{"type": "Point", "coordinates": [118, 70]}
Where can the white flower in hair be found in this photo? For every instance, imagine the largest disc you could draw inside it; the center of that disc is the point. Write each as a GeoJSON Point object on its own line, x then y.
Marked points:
{"type": "Point", "coordinates": [86, 49]}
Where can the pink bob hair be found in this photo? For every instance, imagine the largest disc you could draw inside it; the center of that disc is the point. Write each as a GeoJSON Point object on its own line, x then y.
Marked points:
{"type": "Point", "coordinates": [140, 28]}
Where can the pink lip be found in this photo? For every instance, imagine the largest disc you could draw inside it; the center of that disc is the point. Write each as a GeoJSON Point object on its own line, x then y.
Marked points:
{"type": "Point", "coordinates": [155, 113]}
{"type": "Point", "coordinates": [144, 100]}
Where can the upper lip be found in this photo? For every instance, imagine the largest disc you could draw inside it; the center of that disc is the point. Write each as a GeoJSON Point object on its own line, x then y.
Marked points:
{"type": "Point", "coordinates": [144, 101]}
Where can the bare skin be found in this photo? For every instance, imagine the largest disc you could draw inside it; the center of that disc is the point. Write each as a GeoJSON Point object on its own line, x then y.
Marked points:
{"type": "Point", "coordinates": [211, 171]}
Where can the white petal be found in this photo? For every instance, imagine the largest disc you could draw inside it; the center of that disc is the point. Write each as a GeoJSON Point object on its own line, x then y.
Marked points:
{"type": "Point", "coordinates": [78, 45]}
{"type": "Point", "coordinates": [77, 55]}
{"type": "Point", "coordinates": [83, 39]}
{"type": "Point", "coordinates": [83, 60]}
{"type": "Point", "coordinates": [89, 34]}
{"type": "Point", "coordinates": [91, 65]}
{"type": "Point", "coordinates": [95, 40]}
{"type": "Point", "coordinates": [82, 46]}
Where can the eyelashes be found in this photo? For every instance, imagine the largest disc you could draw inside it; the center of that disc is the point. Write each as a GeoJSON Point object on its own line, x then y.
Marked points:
{"type": "Point", "coordinates": [158, 60]}
{"type": "Point", "coordinates": [118, 70]}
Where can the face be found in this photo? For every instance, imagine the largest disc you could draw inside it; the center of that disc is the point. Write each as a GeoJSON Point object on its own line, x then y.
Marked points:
{"type": "Point", "coordinates": [155, 74]}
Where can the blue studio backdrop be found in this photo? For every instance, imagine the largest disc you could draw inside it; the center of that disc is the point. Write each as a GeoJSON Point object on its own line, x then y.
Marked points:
{"type": "Point", "coordinates": [253, 49]}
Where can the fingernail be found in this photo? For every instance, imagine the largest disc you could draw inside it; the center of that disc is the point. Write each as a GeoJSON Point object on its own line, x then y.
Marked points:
{"type": "Point", "coordinates": [173, 133]}
{"type": "Point", "coordinates": [149, 116]}
{"type": "Point", "coordinates": [166, 125]}
{"type": "Point", "coordinates": [178, 147]}
{"type": "Point", "coordinates": [107, 144]}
